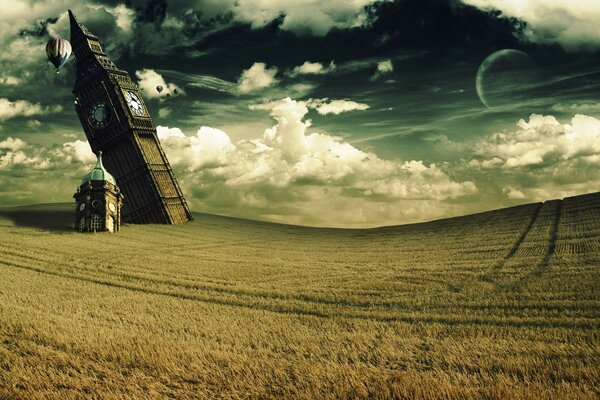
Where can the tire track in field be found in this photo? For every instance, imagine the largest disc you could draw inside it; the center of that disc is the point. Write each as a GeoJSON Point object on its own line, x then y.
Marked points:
{"type": "Point", "coordinates": [77, 271]}
{"type": "Point", "coordinates": [489, 275]}
{"type": "Point", "coordinates": [290, 309]}
{"type": "Point", "coordinates": [543, 264]}
{"type": "Point", "coordinates": [553, 238]}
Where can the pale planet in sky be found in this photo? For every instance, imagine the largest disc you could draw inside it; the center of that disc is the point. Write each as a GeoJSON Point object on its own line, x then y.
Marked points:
{"type": "Point", "coordinates": [506, 78]}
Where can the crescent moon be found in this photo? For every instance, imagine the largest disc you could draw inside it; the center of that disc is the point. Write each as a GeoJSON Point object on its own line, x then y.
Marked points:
{"type": "Point", "coordinates": [500, 75]}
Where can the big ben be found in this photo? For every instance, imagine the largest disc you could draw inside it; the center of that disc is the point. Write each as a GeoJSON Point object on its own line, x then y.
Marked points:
{"type": "Point", "coordinates": [116, 122]}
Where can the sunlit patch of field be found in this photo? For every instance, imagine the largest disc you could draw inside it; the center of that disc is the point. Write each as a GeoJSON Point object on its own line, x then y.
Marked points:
{"type": "Point", "coordinates": [499, 305]}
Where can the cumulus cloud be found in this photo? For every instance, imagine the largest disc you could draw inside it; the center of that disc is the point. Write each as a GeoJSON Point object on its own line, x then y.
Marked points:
{"type": "Point", "coordinates": [13, 144]}
{"type": "Point", "coordinates": [541, 139]}
{"type": "Point", "coordinates": [210, 147]}
{"type": "Point", "coordinates": [326, 106]}
{"type": "Point", "coordinates": [34, 173]}
{"type": "Point", "coordinates": [149, 79]}
{"type": "Point", "coordinates": [79, 150]}
{"type": "Point", "coordinates": [311, 68]}
{"type": "Point", "coordinates": [17, 153]}
{"type": "Point", "coordinates": [300, 171]}
{"type": "Point", "coordinates": [572, 24]}
{"type": "Point", "coordinates": [10, 109]}
{"type": "Point", "coordinates": [257, 77]}
{"type": "Point", "coordinates": [541, 159]}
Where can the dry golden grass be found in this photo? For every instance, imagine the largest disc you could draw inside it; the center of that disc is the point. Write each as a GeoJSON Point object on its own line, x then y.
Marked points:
{"type": "Point", "coordinates": [500, 305]}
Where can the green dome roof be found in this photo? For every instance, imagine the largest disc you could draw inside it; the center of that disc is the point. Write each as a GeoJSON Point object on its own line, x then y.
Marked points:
{"type": "Point", "coordinates": [99, 173]}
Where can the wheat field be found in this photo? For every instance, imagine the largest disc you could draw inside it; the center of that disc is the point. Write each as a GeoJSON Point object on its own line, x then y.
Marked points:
{"type": "Point", "coordinates": [499, 305]}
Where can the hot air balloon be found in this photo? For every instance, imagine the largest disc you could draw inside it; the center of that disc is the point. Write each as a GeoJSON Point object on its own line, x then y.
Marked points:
{"type": "Point", "coordinates": [175, 91]}
{"type": "Point", "coordinates": [159, 88]}
{"type": "Point", "coordinates": [58, 52]}
{"type": "Point", "coordinates": [168, 94]}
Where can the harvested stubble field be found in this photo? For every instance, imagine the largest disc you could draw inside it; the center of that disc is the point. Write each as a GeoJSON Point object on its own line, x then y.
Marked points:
{"type": "Point", "coordinates": [499, 305]}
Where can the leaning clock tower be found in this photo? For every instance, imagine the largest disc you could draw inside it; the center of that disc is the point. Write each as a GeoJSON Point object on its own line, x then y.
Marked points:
{"type": "Point", "coordinates": [116, 122]}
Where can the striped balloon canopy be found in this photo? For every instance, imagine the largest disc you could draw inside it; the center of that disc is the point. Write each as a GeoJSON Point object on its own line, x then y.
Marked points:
{"type": "Point", "coordinates": [58, 52]}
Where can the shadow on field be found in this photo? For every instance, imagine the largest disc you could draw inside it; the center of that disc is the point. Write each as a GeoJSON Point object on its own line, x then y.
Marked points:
{"type": "Point", "coordinates": [49, 217]}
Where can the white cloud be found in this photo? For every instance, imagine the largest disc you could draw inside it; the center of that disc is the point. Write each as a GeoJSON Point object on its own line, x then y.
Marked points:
{"type": "Point", "coordinates": [13, 144]}
{"type": "Point", "coordinates": [35, 172]}
{"type": "Point", "coordinates": [11, 159]}
{"type": "Point", "coordinates": [541, 159]}
{"type": "Point", "coordinates": [9, 80]}
{"type": "Point", "coordinates": [80, 151]}
{"type": "Point", "coordinates": [311, 68]}
{"type": "Point", "coordinates": [208, 148]}
{"type": "Point", "coordinates": [513, 194]}
{"type": "Point", "coordinates": [123, 15]}
{"type": "Point", "coordinates": [258, 76]}
{"type": "Point", "coordinates": [326, 106]}
{"type": "Point", "coordinates": [148, 80]}
{"type": "Point", "coordinates": [573, 24]}
{"type": "Point", "coordinates": [300, 171]}
{"type": "Point", "coordinates": [300, 16]}
{"type": "Point", "coordinates": [384, 67]}
{"type": "Point", "coordinates": [11, 109]}
{"type": "Point", "coordinates": [539, 140]}
{"type": "Point", "coordinates": [17, 153]}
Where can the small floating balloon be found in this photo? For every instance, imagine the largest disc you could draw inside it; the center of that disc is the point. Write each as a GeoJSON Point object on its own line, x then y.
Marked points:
{"type": "Point", "coordinates": [58, 52]}
{"type": "Point", "coordinates": [159, 88]}
{"type": "Point", "coordinates": [175, 91]}
{"type": "Point", "coordinates": [168, 94]}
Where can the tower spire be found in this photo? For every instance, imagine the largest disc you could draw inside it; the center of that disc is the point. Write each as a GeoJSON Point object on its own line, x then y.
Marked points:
{"type": "Point", "coordinates": [78, 31]}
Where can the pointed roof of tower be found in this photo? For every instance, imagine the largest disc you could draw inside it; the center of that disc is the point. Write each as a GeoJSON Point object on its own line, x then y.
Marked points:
{"type": "Point", "coordinates": [78, 30]}
{"type": "Point", "coordinates": [99, 173]}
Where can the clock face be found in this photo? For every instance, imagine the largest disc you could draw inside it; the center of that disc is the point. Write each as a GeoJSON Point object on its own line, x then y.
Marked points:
{"type": "Point", "coordinates": [112, 207]}
{"type": "Point", "coordinates": [134, 103]}
{"type": "Point", "coordinates": [96, 203]}
{"type": "Point", "coordinates": [99, 114]}
{"type": "Point", "coordinates": [82, 207]}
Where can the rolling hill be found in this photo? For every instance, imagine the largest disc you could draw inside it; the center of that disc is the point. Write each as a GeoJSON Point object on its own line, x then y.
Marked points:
{"type": "Point", "coordinates": [502, 304]}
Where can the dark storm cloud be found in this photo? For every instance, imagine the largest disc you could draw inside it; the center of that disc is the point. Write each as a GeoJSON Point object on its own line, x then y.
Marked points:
{"type": "Point", "coordinates": [444, 26]}
{"type": "Point", "coordinates": [39, 28]}
{"type": "Point", "coordinates": [431, 25]}
{"type": "Point", "coordinates": [155, 11]}
{"type": "Point", "coordinates": [207, 27]}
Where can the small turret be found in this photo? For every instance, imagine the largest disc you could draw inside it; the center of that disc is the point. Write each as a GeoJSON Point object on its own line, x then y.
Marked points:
{"type": "Point", "coordinates": [98, 200]}
{"type": "Point", "coordinates": [99, 173]}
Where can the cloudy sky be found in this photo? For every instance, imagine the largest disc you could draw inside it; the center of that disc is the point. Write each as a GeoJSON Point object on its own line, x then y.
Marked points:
{"type": "Point", "coordinates": [329, 113]}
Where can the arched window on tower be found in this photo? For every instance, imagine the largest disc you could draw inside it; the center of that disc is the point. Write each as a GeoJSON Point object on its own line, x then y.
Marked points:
{"type": "Point", "coordinates": [96, 223]}
{"type": "Point", "coordinates": [82, 225]}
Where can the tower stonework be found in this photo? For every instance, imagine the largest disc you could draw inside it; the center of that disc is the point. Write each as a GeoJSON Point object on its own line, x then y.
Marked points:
{"type": "Point", "coordinates": [116, 122]}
